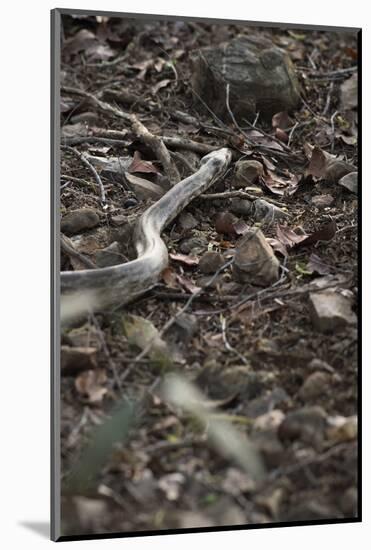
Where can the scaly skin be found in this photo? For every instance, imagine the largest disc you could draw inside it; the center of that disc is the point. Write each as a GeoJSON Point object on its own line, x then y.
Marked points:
{"type": "Point", "coordinates": [96, 289]}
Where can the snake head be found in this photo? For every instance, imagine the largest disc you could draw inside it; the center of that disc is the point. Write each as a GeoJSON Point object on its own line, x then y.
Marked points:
{"type": "Point", "coordinates": [221, 156]}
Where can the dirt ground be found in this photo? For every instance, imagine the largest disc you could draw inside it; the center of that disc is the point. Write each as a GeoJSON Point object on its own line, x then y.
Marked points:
{"type": "Point", "coordinates": [264, 366]}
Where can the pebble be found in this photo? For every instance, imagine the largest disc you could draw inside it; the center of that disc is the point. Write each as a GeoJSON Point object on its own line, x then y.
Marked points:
{"type": "Point", "coordinates": [330, 311]}
{"type": "Point", "coordinates": [314, 386]}
{"type": "Point", "coordinates": [248, 172]}
{"type": "Point", "coordinates": [322, 201]}
{"type": "Point", "coordinates": [255, 261]}
{"type": "Point", "coordinates": [194, 245]}
{"type": "Point", "coordinates": [210, 262]}
{"type": "Point", "coordinates": [79, 220]}
{"type": "Point", "coordinates": [350, 182]}
{"type": "Point", "coordinates": [307, 424]}
{"type": "Point", "coordinates": [241, 207]}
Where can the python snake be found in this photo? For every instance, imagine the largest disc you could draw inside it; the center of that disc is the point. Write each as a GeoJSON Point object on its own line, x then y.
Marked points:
{"type": "Point", "coordinates": [90, 290]}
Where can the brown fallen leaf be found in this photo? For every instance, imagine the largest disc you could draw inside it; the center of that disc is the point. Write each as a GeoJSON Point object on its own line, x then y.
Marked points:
{"type": "Point", "coordinates": [142, 166]}
{"type": "Point", "coordinates": [278, 246]}
{"type": "Point", "coordinates": [290, 239]}
{"type": "Point", "coordinates": [323, 165]}
{"type": "Point", "coordinates": [169, 277]}
{"type": "Point", "coordinates": [188, 284]}
{"type": "Point", "coordinates": [184, 259]}
{"type": "Point", "coordinates": [90, 385]}
{"type": "Point", "coordinates": [227, 223]}
{"type": "Point", "coordinates": [279, 185]}
{"type": "Point", "coordinates": [317, 265]}
{"type": "Point", "coordinates": [281, 120]}
{"type": "Point", "coordinates": [281, 135]}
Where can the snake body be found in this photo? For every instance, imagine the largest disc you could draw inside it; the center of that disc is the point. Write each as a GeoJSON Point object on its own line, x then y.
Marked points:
{"type": "Point", "coordinates": [96, 289]}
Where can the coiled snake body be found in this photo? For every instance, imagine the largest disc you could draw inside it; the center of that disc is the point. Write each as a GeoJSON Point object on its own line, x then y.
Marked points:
{"type": "Point", "coordinates": [95, 289]}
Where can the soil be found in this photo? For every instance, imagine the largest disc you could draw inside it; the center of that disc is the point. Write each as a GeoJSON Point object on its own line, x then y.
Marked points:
{"type": "Point", "coordinates": [258, 357]}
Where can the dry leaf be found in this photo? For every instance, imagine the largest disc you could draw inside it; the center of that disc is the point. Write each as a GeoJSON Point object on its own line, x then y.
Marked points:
{"type": "Point", "coordinates": [90, 386]}
{"type": "Point", "coordinates": [185, 259]}
{"type": "Point", "coordinates": [142, 334]}
{"type": "Point", "coordinates": [281, 120]}
{"type": "Point", "coordinates": [142, 166]}
{"type": "Point", "coordinates": [187, 284]}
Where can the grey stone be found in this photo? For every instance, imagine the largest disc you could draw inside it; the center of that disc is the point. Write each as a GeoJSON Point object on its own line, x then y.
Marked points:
{"type": "Point", "coordinates": [350, 182]}
{"type": "Point", "coordinates": [79, 220]}
{"type": "Point", "coordinates": [330, 311]}
{"type": "Point", "coordinates": [194, 245]}
{"type": "Point", "coordinates": [307, 424]}
{"type": "Point", "coordinates": [314, 386]}
{"type": "Point", "coordinates": [267, 212]}
{"type": "Point", "coordinates": [247, 172]}
{"type": "Point", "coordinates": [241, 207]}
{"type": "Point", "coordinates": [254, 260]}
{"type": "Point", "coordinates": [323, 201]}
{"type": "Point", "coordinates": [211, 262]}
{"type": "Point", "coordinates": [261, 78]}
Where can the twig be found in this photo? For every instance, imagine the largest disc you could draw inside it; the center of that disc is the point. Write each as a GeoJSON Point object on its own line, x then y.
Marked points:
{"type": "Point", "coordinates": [328, 100]}
{"type": "Point", "coordinates": [189, 145]}
{"type": "Point", "coordinates": [269, 136]}
{"type": "Point", "coordinates": [158, 147]}
{"type": "Point", "coordinates": [235, 194]}
{"type": "Point", "coordinates": [102, 105]}
{"type": "Point", "coordinates": [70, 250]}
{"type": "Point", "coordinates": [106, 352]}
{"type": "Point", "coordinates": [82, 157]}
{"type": "Point", "coordinates": [228, 346]}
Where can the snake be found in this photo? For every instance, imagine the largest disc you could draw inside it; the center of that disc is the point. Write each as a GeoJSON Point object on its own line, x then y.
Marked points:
{"type": "Point", "coordinates": [90, 290]}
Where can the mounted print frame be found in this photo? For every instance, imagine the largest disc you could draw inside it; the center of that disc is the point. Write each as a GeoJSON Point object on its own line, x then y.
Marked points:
{"type": "Point", "coordinates": [205, 278]}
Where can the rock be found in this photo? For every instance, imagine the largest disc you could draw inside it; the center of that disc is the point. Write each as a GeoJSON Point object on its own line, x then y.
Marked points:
{"type": "Point", "coordinates": [144, 189]}
{"type": "Point", "coordinates": [225, 223]}
{"type": "Point", "coordinates": [261, 78]}
{"type": "Point", "coordinates": [349, 93]}
{"type": "Point", "coordinates": [86, 118]}
{"type": "Point", "coordinates": [119, 219]}
{"type": "Point", "coordinates": [337, 169]}
{"type": "Point", "coordinates": [111, 255]}
{"type": "Point", "coordinates": [254, 260]}
{"type": "Point", "coordinates": [241, 207]}
{"type": "Point", "coordinates": [210, 262]}
{"type": "Point", "coordinates": [73, 130]}
{"type": "Point", "coordinates": [330, 311]}
{"type": "Point", "coordinates": [349, 502]}
{"type": "Point", "coordinates": [187, 221]}
{"type": "Point", "coordinates": [270, 448]}
{"type": "Point", "coordinates": [267, 212]}
{"type": "Point", "coordinates": [318, 364]}
{"type": "Point", "coordinates": [130, 202]}
{"type": "Point", "coordinates": [194, 245]}
{"type": "Point", "coordinates": [342, 429]}
{"type": "Point", "coordinates": [323, 201]}
{"type": "Point", "coordinates": [259, 406]}
{"type": "Point", "coordinates": [80, 220]}
{"type": "Point", "coordinates": [76, 359]}
{"type": "Point", "coordinates": [111, 167]}
{"type": "Point", "coordinates": [186, 325]}
{"type": "Point", "coordinates": [248, 172]}
{"type": "Point", "coordinates": [268, 421]}
{"type": "Point", "coordinates": [314, 386]}
{"type": "Point", "coordinates": [350, 182]}
{"type": "Point", "coordinates": [210, 281]}
{"type": "Point", "coordinates": [307, 424]}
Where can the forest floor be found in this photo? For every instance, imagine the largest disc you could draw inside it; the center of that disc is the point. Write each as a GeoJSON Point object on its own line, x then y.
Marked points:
{"type": "Point", "coordinates": [266, 369]}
